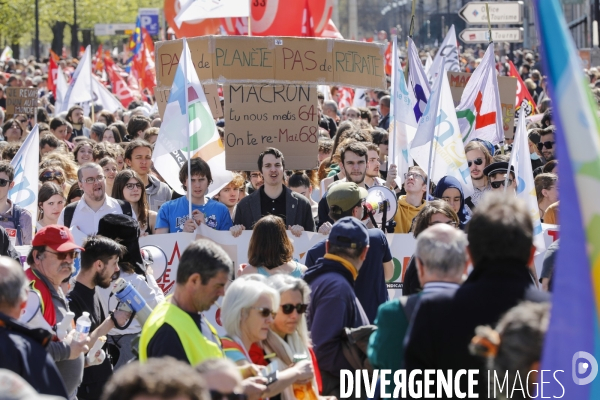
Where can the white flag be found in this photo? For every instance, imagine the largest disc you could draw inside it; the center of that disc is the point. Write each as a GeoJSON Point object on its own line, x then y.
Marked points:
{"type": "Point", "coordinates": [105, 98]}
{"type": "Point", "coordinates": [61, 91]}
{"type": "Point", "coordinates": [480, 111]}
{"type": "Point", "coordinates": [428, 63]}
{"type": "Point", "coordinates": [188, 126]}
{"type": "Point", "coordinates": [360, 98]}
{"type": "Point", "coordinates": [7, 54]}
{"type": "Point", "coordinates": [80, 88]}
{"type": "Point", "coordinates": [25, 191]}
{"type": "Point", "coordinates": [520, 160]}
{"type": "Point", "coordinates": [438, 134]}
{"type": "Point", "coordinates": [192, 10]}
{"type": "Point", "coordinates": [417, 80]}
{"type": "Point", "coordinates": [449, 50]}
{"type": "Point", "coordinates": [403, 124]}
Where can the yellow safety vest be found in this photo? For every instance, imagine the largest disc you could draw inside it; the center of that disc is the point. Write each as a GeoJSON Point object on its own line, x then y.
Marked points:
{"type": "Point", "coordinates": [197, 347]}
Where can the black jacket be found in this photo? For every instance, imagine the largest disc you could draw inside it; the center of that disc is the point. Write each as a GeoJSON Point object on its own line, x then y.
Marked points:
{"type": "Point", "coordinates": [22, 350]}
{"type": "Point", "coordinates": [444, 324]}
{"type": "Point", "coordinates": [298, 211]}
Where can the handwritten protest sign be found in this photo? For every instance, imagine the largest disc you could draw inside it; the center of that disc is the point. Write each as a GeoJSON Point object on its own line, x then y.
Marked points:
{"type": "Point", "coordinates": [260, 116]}
{"type": "Point", "coordinates": [211, 92]}
{"type": "Point", "coordinates": [243, 59]}
{"type": "Point", "coordinates": [21, 100]}
{"type": "Point", "coordinates": [508, 91]}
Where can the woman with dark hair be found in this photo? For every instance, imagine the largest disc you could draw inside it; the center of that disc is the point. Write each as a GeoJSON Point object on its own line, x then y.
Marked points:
{"type": "Point", "coordinates": [110, 169]}
{"type": "Point", "coordinates": [111, 135]}
{"type": "Point", "coordinates": [75, 193]}
{"type": "Point", "coordinates": [58, 127]}
{"type": "Point", "coordinates": [270, 250]}
{"type": "Point", "coordinates": [128, 186]}
{"type": "Point", "coordinates": [84, 152]}
{"type": "Point", "coordinates": [119, 126]}
{"type": "Point", "coordinates": [106, 118]}
{"type": "Point", "coordinates": [301, 183]}
{"type": "Point", "coordinates": [13, 130]}
{"type": "Point", "coordinates": [51, 202]}
{"type": "Point", "coordinates": [434, 212]}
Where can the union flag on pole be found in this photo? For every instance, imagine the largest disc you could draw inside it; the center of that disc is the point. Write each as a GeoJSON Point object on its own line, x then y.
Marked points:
{"type": "Point", "coordinates": [524, 98]}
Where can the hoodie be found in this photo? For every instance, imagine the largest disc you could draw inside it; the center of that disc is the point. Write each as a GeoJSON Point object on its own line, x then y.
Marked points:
{"type": "Point", "coordinates": [405, 214]}
{"type": "Point", "coordinates": [333, 306]}
{"type": "Point", "coordinates": [157, 192]}
{"type": "Point", "coordinates": [451, 182]}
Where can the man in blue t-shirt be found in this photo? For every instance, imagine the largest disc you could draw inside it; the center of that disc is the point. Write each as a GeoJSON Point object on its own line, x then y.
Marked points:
{"type": "Point", "coordinates": [346, 199]}
{"type": "Point", "coordinates": [173, 216]}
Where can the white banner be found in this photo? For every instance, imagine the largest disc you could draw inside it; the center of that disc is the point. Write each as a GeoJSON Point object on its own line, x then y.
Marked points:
{"type": "Point", "coordinates": [173, 245]}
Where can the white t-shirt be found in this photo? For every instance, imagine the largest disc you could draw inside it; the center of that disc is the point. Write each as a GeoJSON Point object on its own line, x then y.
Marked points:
{"type": "Point", "coordinates": [86, 219]}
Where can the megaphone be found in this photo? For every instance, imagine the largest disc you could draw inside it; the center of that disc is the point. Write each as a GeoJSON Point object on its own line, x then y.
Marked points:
{"type": "Point", "coordinates": [130, 300]}
{"type": "Point", "coordinates": [32, 313]}
{"type": "Point", "coordinates": [380, 205]}
{"type": "Point", "coordinates": [154, 256]}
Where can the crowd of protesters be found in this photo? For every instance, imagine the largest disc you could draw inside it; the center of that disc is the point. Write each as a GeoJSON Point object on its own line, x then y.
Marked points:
{"type": "Point", "coordinates": [472, 271]}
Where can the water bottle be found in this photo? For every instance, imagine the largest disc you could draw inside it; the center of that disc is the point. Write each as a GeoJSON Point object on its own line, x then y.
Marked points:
{"type": "Point", "coordinates": [82, 329]}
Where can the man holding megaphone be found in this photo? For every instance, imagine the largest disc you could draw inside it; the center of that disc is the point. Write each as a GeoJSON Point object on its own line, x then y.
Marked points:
{"type": "Point", "coordinates": [347, 199]}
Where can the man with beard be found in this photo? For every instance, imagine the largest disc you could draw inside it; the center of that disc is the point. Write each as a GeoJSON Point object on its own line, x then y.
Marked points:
{"type": "Point", "coordinates": [94, 204]}
{"type": "Point", "coordinates": [75, 117]}
{"type": "Point", "coordinates": [99, 262]}
{"type": "Point", "coordinates": [478, 157]}
{"type": "Point", "coordinates": [354, 159]}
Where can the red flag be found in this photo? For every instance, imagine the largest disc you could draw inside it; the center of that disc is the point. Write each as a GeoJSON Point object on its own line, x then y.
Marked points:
{"type": "Point", "coordinates": [523, 96]}
{"type": "Point", "coordinates": [346, 96]}
{"type": "Point", "coordinates": [119, 87]}
{"type": "Point", "coordinates": [388, 59]}
{"type": "Point", "coordinates": [52, 73]}
{"type": "Point", "coordinates": [97, 64]}
{"type": "Point", "coordinates": [81, 51]}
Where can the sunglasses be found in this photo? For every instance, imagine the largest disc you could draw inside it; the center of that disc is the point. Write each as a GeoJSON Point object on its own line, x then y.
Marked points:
{"type": "Point", "coordinates": [265, 312]}
{"type": "Point", "coordinates": [216, 395]}
{"type": "Point", "coordinates": [385, 142]}
{"type": "Point", "coordinates": [289, 308]}
{"type": "Point", "coordinates": [477, 161]}
{"type": "Point", "coordinates": [547, 145]}
{"type": "Point", "coordinates": [132, 186]}
{"type": "Point", "coordinates": [497, 184]}
{"type": "Point", "coordinates": [49, 175]}
{"type": "Point", "coordinates": [63, 255]}
{"type": "Point", "coordinates": [4, 182]}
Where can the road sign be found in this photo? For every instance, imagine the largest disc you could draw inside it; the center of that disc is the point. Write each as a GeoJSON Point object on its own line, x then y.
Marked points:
{"type": "Point", "coordinates": [149, 20]}
{"type": "Point", "coordinates": [501, 12]}
{"type": "Point", "coordinates": [510, 35]}
{"type": "Point", "coordinates": [113, 29]}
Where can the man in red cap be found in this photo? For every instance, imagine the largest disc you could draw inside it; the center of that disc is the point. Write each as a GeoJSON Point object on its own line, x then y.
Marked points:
{"type": "Point", "coordinates": [51, 262]}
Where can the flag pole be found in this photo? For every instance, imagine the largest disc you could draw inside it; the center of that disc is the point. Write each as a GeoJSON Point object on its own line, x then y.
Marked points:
{"type": "Point", "coordinates": [410, 35]}
{"type": "Point", "coordinates": [512, 154]}
{"type": "Point", "coordinates": [393, 93]}
{"type": "Point", "coordinates": [92, 82]}
{"type": "Point", "coordinates": [250, 20]}
{"type": "Point", "coordinates": [189, 157]}
{"type": "Point", "coordinates": [491, 43]}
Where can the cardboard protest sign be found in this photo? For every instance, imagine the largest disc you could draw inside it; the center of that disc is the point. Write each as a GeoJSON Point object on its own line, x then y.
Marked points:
{"type": "Point", "coordinates": [21, 100]}
{"type": "Point", "coordinates": [508, 91]}
{"type": "Point", "coordinates": [243, 59]}
{"type": "Point", "coordinates": [261, 115]}
{"type": "Point", "coordinates": [211, 91]}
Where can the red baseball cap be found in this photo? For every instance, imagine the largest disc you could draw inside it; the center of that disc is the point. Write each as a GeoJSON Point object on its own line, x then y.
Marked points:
{"type": "Point", "coordinates": [57, 237]}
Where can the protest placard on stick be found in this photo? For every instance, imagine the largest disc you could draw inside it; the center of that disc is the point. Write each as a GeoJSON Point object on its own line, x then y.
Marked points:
{"type": "Point", "coordinates": [260, 116]}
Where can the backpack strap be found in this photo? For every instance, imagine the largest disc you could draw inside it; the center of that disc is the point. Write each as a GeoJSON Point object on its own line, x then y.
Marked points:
{"type": "Point", "coordinates": [16, 220]}
{"type": "Point", "coordinates": [69, 212]}
{"type": "Point", "coordinates": [469, 202]}
{"type": "Point", "coordinates": [126, 207]}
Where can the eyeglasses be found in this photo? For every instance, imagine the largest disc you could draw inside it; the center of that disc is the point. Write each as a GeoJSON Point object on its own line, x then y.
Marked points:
{"type": "Point", "coordinates": [63, 255]}
{"type": "Point", "coordinates": [451, 223]}
{"type": "Point", "coordinates": [547, 145]}
{"type": "Point", "coordinates": [497, 184]}
{"type": "Point", "coordinates": [289, 308]}
{"type": "Point", "coordinates": [98, 179]}
{"type": "Point", "coordinates": [51, 175]}
{"type": "Point", "coordinates": [4, 182]}
{"type": "Point", "coordinates": [216, 395]}
{"type": "Point", "coordinates": [265, 312]}
{"type": "Point", "coordinates": [132, 186]}
{"type": "Point", "coordinates": [477, 161]}
{"type": "Point", "coordinates": [414, 175]}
